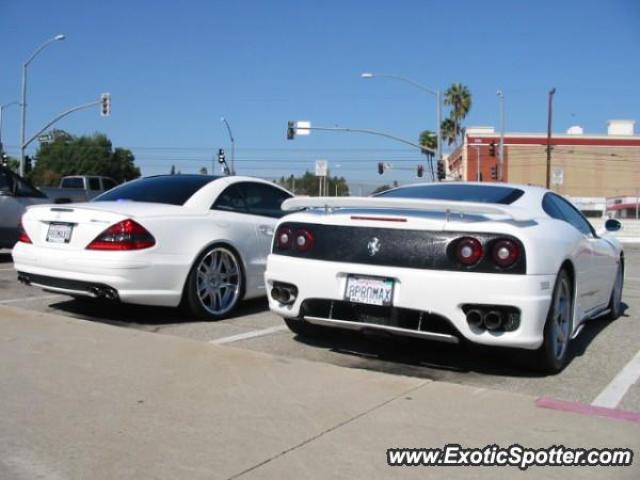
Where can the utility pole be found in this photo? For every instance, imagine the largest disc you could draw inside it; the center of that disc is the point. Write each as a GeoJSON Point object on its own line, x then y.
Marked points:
{"type": "Point", "coordinates": [549, 118]}
{"type": "Point", "coordinates": [500, 94]}
{"type": "Point", "coordinates": [479, 174]}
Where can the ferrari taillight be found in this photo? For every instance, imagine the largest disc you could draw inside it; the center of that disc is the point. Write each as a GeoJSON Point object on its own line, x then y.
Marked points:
{"type": "Point", "coordinates": [22, 235]}
{"type": "Point", "coordinates": [505, 253]}
{"type": "Point", "coordinates": [284, 238]}
{"type": "Point", "coordinates": [303, 240]}
{"type": "Point", "coordinates": [124, 235]}
{"type": "Point", "coordinates": [468, 251]}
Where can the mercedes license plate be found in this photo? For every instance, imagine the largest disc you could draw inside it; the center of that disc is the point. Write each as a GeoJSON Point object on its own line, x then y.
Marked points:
{"type": "Point", "coordinates": [369, 290]}
{"type": "Point", "coordinates": [59, 233]}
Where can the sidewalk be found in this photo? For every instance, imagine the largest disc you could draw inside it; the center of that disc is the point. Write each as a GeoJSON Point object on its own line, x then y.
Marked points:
{"type": "Point", "coordinates": [86, 400]}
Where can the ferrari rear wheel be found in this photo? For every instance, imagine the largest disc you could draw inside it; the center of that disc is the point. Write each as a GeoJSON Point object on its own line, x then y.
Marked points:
{"type": "Point", "coordinates": [215, 283]}
{"type": "Point", "coordinates": [553, 354]}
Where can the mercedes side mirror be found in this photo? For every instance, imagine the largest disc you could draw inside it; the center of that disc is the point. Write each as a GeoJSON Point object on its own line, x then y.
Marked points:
{"type": "Point", "coordinates": [613, 225]}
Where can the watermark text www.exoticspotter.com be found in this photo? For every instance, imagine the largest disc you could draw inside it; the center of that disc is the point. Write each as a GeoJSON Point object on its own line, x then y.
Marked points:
{"type": "Point", "coordinates": [512, 456]}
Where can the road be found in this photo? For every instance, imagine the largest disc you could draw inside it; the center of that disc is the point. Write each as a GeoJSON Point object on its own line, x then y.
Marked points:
{"type": "Point", "coordinates": [599, 354]}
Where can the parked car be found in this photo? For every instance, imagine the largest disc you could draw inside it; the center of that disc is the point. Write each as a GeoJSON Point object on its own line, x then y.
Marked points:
{"type": "Point", "coordinates": [16, 194]}
{"type": "Point", "coordinates": [78, 188]}
{"type": "Point", "coordinates": [493, 264]}
{"type": "Point", "coordinates": [193, 240]}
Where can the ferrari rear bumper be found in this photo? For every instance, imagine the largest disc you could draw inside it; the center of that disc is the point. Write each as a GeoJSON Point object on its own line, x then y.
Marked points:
{"type": "Point", "coordinates": [426, 303]}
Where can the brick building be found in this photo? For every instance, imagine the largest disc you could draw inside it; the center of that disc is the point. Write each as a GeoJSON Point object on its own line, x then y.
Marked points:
{"type": "Point", "coordinates": [582, 165]}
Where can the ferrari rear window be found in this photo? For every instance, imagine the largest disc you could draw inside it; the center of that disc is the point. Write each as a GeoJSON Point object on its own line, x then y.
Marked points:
{"type": "Point", "coordinates": [458, 192]}
{"type": "Point", "coordinates": [169, 189]}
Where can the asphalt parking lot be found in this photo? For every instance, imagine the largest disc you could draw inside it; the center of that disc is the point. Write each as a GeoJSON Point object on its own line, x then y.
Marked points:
{"type": "Point", "coordinates": [599, 354]}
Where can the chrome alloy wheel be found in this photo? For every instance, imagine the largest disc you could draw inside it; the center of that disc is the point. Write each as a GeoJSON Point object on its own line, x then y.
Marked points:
{"type": "Point", "coordinates": [561, 318]}
{"type": "Point", "coordinates": [218, 281]}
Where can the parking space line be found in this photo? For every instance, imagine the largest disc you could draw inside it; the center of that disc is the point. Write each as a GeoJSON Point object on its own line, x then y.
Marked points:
{"type": "Point", "coordinates": [28, 299]}
{"type": "Point", "coordinates": [6, 269]}
{"type": "Point", "coordinates": [246, 335]}
{"type": "Point", "coordinates": [614, 392]}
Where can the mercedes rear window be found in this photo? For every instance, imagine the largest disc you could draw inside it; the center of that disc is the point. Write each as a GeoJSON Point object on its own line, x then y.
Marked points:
{"type": "Point", "coordinates": [169, 189]}
{"type": "Point", "coordinates": [457, 192]}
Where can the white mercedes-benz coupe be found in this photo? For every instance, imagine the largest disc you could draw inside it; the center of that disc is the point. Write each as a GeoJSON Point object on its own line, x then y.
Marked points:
{"type": "Point", "coordinates": [495, 264]}
{"type": "Point", "coordinates": [193, 240]}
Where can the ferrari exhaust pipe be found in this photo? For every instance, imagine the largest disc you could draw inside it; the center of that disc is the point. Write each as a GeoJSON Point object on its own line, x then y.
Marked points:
{"type": "Point", "coordinates": [285, 294]}
{"type": "Point", "coordinates": [475, 318]}
{"type": "Point", "coordinates": [493, 320]}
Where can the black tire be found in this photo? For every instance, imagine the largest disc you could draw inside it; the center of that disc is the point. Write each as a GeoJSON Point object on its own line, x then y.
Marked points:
{"type": "Point", "coordinates": [302, 327]}
{"type": "Point", "coordinates": [615, 301]}
{"type": "Point", "coordinates": [215, 284]}
{"type": "Point", "coordinates": [553, 355]}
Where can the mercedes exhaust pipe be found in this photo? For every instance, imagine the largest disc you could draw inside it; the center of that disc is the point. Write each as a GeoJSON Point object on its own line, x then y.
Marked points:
{"type": "Point", "coordinates": [475, 318]}
{"type": "Point", "coordinates": [493, 320]}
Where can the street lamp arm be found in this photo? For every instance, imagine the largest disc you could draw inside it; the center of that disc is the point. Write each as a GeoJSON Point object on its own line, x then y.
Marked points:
{"type": "Point", "coordinates": [59, 117]}
{"type": "Point", "coordinates": [42, 47]}
{"type": "Point", "coordinates": [368, 131]}
{"type": "Point", "coordinates": [406, 80]}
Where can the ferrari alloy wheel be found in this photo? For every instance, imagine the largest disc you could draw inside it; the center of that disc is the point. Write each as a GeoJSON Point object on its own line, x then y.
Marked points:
{"type": "Point", "coordinates": [215, 283]}
{"type": "Point", "coordinates": [615, 302]}
{"type": "Point", "coordinates": [552, 355]}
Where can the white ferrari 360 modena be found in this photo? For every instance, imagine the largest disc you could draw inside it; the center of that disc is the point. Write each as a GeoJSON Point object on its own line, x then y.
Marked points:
{"type": "Point", "coordinates": [196, 240]}
{"type": "Point", "coordinates": [495, 264]}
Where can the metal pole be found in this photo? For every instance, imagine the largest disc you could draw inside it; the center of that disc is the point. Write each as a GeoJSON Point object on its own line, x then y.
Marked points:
{"type": "Point", "coordinates": [233, 146]}
{"type": "Point", "coordinates": [500, 94]}
{"type": "Point", "coordinates": [23, 118]}
{"type": "Point", "coordinates": [439, 128]}
{"type": "Point", "coordinates": [23, 97]}
{"type": "Point", "coordinates": [549, 118]}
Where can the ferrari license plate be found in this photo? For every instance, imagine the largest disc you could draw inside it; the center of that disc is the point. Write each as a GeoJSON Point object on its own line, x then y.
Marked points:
{"type": "Point", "coordinates": [369, 290]}
{"type": "Point", "coordinates": [59, 233]}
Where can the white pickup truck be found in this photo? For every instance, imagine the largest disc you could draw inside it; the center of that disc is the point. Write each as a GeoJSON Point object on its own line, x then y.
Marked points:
{"type": "Point", "coordinates": [79, 188]}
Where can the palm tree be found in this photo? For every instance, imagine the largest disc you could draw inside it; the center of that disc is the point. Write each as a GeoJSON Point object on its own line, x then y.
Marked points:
{"type": "Point", "coordinates": [430, 140]}
{"type": "Point", "coordinates": [449, 130]}
{"type": "Point", "coordinates": [458, 97]}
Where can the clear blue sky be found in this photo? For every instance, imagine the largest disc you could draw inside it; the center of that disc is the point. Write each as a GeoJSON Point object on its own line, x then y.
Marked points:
{"type": "Point", "coordinates": [174, 68]}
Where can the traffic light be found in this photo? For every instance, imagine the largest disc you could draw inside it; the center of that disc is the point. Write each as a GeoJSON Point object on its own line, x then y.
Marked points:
{"type": "Point", "coordinates": [221, 156]}
{"type": "Point", "coordinates": [441, 173]}
{"type": "Point", "coordinates": [494, 172]}
{"type": "Point", "coordinates": [492, 149]}
{"type": "Point", "coordinates": [28, 164]}
{"type": "Point", "coordinates": [291, 131]}
{"type": "Point", "coordinates": [105, 104]}
{"type": "Point", "coordinates": [420, 171]}
{"type": "Point", "coordinates": [380, 168]}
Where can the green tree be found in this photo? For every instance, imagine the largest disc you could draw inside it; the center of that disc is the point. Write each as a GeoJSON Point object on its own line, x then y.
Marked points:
{"type": "Point", "coordinates": [308, 184]}
{"type": "Point", "coordinates": [83, 155]}
{"type": "Point", "coordinates": [430, 140]}
{"type": "Point", "coordinates": [458, 97]}
{"type": "Point", "coordinates": [449, 131]}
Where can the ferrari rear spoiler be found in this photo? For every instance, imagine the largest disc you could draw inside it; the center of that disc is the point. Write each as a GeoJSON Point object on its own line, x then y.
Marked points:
{"type": "Point", "coordinates": [448, 206]}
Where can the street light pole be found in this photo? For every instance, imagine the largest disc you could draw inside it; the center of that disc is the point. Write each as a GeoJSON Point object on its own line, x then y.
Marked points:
{"type": "Point", "coordinates": [23, 97]}
{"type": "Point", "coordinates": [2, 107]}
{"type": "Point", "coordinates": [435, 93]}
{"type": "Point", "coordinates": [500, 94]}
{"type": "Point", "coordinates": [549, 118]}
{"type": "Point", "coordinates": [233, 146]}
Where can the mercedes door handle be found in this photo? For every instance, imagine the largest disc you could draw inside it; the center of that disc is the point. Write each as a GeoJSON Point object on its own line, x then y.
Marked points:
{"type": "Point", "coordinates": [266, 230]}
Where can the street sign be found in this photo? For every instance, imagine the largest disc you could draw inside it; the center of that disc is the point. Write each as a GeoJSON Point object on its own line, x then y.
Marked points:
{"type": "Point", "coordinates": [322, 166]}
{"type": "Point", "coordinates": [302, 128]}
{"type": "Point", "coordinates": [45, 138]}
{"type": "Point", "coordinates": [557, 176]}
